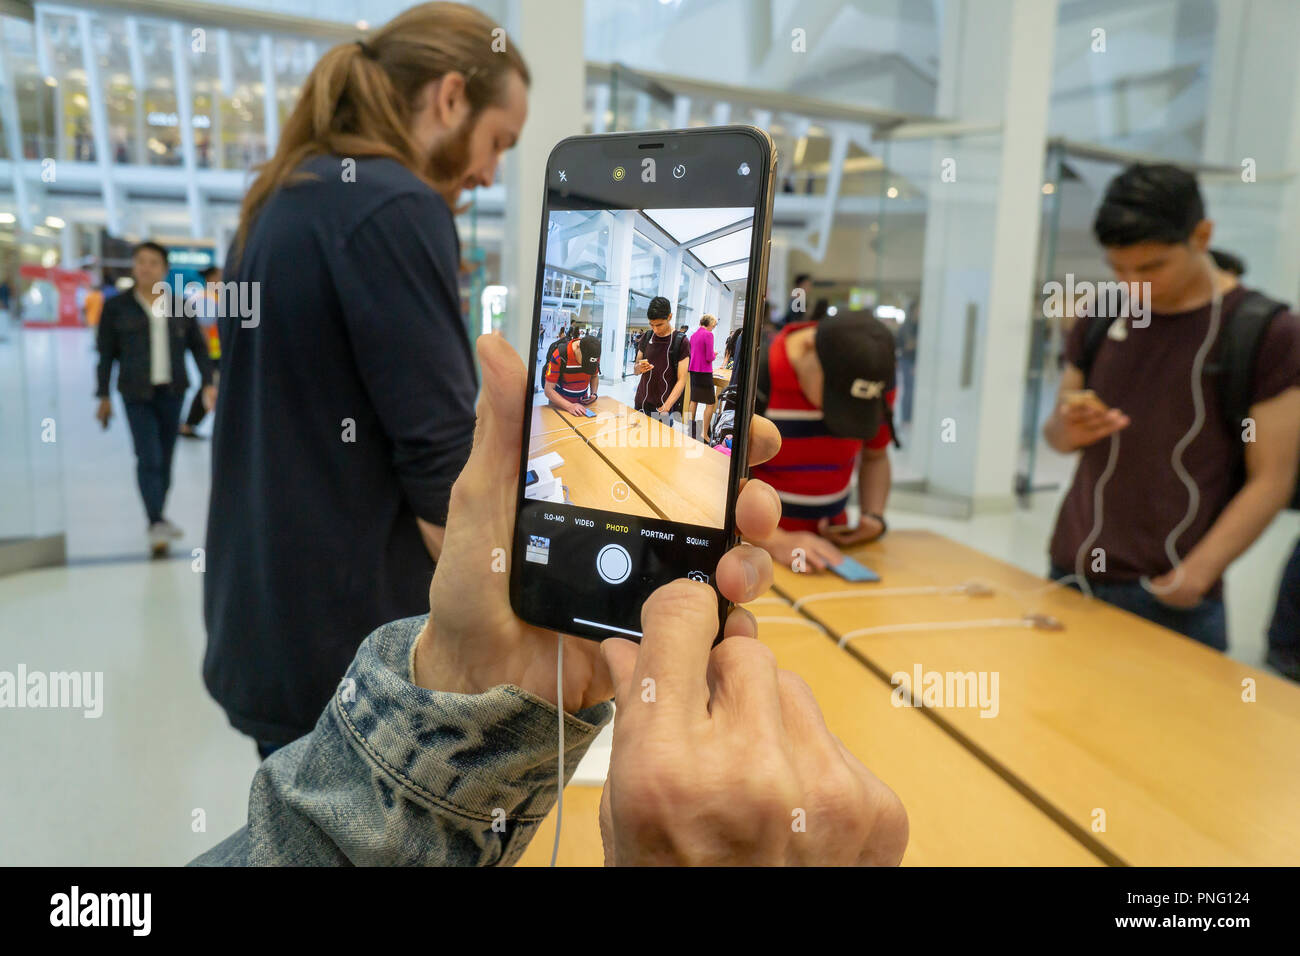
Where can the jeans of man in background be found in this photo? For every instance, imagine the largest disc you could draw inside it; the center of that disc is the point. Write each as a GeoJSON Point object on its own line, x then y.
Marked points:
{"type": "Point", "coordinates": [1284, 632]}
{"type": "Point", "coordinates": [1207, 622]}
{"type": "Point", "coordinates": [153, 431]}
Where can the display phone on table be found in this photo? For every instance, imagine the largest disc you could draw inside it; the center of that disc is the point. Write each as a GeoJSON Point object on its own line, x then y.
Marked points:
{"type": "Point", "coordinates": [634, 224]}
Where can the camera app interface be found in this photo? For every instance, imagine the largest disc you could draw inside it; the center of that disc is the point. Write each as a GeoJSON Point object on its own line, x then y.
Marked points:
{"type": "Point", "coordinates": [629, 451]}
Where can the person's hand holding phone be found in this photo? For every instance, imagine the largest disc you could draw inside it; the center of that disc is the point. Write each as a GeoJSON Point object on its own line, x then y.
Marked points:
{"type": "Point", "coordinates": [1086, 419]}
{"type": "Point", "coordinates": [643, 366]}
{"type": "Point", "coordinates": [473, 640]}
{"type": "Point", "coordinates": [729, 753]}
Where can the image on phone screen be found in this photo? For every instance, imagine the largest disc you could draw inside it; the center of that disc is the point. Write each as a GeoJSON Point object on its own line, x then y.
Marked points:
{"type": "Point", "coordinates": [638, 278]}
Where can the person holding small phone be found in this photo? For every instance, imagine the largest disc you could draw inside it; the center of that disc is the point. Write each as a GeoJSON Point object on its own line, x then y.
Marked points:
{"type": "Point", "coordinates": [663, 362]}
{"type": "Point", "coordinates": [1126, 406]}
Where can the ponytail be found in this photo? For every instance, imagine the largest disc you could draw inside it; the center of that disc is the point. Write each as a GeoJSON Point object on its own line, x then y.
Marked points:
{"type": "Point", "coordinates": [360, 97]}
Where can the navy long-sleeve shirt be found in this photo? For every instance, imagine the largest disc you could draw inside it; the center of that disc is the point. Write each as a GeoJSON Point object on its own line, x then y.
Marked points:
{"type": "Point", "coordinates": [345, 411]}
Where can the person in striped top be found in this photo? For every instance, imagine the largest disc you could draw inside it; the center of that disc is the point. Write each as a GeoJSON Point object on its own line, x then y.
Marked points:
{"type": "Point", "coordinates": [831, 394]}
{"type": "Point", "coordinates": [573, 374]}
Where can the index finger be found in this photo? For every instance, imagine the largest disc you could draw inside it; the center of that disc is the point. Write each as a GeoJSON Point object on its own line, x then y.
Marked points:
{"type": "Point", "coordinates": [764, 440]}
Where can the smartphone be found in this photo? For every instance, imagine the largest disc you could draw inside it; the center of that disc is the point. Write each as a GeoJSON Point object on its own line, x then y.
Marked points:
{"type": "Point", "coordinates": [684, 213]}
{"type": "Point", "coordinates": [851, 570]}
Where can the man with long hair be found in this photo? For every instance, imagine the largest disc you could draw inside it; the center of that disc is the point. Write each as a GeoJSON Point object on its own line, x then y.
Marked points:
{"type": "Point", "coordinates": [346, 408]}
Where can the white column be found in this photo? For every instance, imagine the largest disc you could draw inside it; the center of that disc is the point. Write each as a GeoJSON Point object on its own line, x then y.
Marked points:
{"type": "Point", "coordinates": [613, 297]}
{"type": "Point", "coordinates": [555, 111]}
{"type": "Point", "coordinates": [9, 118]}
{"type": "Point", "coordinates": [270, 106]}
{"type": "Point", "coordinates": [980, 250]}
{"type": "Point", "coordinates": [185, 117]}
{"type": "Point", "coordinates": [98, 124]}
{"type": "Point", "coordinates": [138, 85]}
{"type": "Point", "coordinates": [1253, 113]}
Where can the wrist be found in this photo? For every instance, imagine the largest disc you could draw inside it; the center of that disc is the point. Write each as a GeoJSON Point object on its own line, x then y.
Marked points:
{"type": "Point", "coordinates": [1197, 575]}
{"type": "Point", "coordinates": [431, 667]}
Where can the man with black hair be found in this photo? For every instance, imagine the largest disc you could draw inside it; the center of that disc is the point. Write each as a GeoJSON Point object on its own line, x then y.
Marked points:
{"type": "Point", "coordinates": [663, 358]}
{"type": "Point", "coordinates": [1189, 441]}
{"type": "Point", "coordinates": [147, 334]}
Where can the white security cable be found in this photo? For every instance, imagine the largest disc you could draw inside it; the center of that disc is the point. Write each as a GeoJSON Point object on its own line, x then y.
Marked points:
{"type": "Point", "coordinates": [971, 588]}
{"type": "Point", "coordinates": [801, 621]}
{"type": "Point", "coordinates": [1193, 490]}
{"type": "Point", "coordinates": [938, 626]}
{"type": "Point", "coordinates": [1097, 494]}
{"type": "Point", "coordinates": [559, 766]}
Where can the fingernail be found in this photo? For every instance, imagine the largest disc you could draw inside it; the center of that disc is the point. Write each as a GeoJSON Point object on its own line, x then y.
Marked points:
{"type": "Point", "coordinates": [751, 576]}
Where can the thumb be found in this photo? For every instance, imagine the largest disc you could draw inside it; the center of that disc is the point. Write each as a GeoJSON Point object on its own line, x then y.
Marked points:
{"type": "Point", "coordinates": [495, 456]}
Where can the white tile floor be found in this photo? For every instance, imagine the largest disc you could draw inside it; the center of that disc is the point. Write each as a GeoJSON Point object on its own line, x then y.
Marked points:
{"type": "Point", "coordinates": [124, 788]}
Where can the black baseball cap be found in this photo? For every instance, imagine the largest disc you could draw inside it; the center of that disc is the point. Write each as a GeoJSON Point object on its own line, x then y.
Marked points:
{"type": "Point", "coordinates": [659, 308]}
{"type": "Point", "coordinates": [589, 349]}
{"type": "Point", "coordinates": [857, 356]}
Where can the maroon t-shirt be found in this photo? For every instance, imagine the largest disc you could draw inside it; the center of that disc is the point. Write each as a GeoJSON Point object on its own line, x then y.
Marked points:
{"type": "Point", "coordinates": [1147, 375]}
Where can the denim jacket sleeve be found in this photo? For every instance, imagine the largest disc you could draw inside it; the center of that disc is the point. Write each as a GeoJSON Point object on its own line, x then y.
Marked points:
{"type": "Point", "coordinates": [396, 775]}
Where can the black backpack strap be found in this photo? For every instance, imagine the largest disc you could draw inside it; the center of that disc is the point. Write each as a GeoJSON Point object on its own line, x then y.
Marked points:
{"type": "Point", "coordinates": [1093, 336]}
{"type": "Point", "coordinates": [1239, 345]}
{"type": "Point", "coordinates": [676, 347]}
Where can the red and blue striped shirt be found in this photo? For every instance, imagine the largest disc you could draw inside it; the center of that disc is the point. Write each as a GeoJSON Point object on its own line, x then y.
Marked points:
{"type": "Point", "coordinates": [813, 472]}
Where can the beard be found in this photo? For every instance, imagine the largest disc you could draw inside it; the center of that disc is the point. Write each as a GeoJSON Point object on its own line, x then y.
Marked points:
{"type": "Point", "coordinates": [448, 163]}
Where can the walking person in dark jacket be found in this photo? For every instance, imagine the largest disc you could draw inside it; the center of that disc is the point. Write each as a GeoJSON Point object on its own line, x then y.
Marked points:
{"type": "Point", "coordinates": [147, 335]}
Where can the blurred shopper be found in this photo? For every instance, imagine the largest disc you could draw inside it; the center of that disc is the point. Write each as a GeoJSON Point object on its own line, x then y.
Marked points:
{"type": "Point", "coordinates": [662, 361]}
{"type": "Point", "coordinates": [572, 374]}
{"type": "Point", "coordinates": [147, 335]}
{"type": "Point", "coordinates": [203, 304]}
{"type": "Point", "coordinates": [1284, 629]}
{"type": "Point", "coordinates": [703, 355]}
{"type": "Point", "coordinates": [829, 389]}
{"type": "Point", "coordinates": [797, 310]}
{"type": "Point", "coordinates": [908, 333]}
{"type": "Point", "coordinates": [821, 309]}
{"type": "Point", "coordinates": [347, 403]}
{"type": "Point", "coordinates": [731, 348]}
{"type": "Point", "coordinates": [1242, 458]}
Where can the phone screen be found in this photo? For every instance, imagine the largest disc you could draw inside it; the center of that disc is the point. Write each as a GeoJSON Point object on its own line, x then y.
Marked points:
{"type": "Point", "coordinates": [654, 248]}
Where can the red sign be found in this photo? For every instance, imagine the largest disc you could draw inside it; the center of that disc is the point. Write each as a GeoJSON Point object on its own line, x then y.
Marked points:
{"type": "Point", "coordinates": [66, 283]}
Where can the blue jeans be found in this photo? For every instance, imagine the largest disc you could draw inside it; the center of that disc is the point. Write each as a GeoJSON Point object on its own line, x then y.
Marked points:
{"type": "Point", "coordinates": [153, 430]}
{"type": "Point", "coordinates": [1207, 622]}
